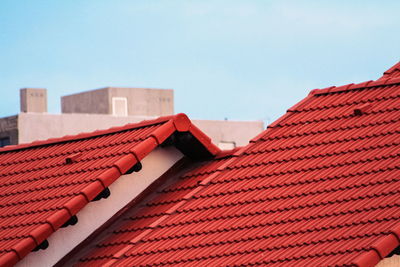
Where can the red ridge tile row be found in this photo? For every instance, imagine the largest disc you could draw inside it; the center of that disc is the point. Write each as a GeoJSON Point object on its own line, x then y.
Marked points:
{"type": "Point", "coordinates": [320, 92]}
{"type": "Point", "coordinates": [168, 212]}
{"type": "Point", "coordinates": [352, 86]}
{"type": "Point", "coordinates": [75, 203]}
{"type": "Point", "coordinates": [377, 99]}
{"type": "Point", "coordinates": [392, 72]}
{"type": "Point", "coordinates": [324, 190]}
{"type": "Point", "coordinates": [379, 249]}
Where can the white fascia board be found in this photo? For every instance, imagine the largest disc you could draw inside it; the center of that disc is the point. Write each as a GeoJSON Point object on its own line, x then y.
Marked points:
{"type": "Point", "coordinates": [95, 214]}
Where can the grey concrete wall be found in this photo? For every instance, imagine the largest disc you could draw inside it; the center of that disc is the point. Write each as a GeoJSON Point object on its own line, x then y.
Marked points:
{"type": "Point", "coordinates": [33, 100]}
{"type": "Point", "coordinates": [140, 101]}
{"type": "Point", "coordinates": [145, 102]}
{"type": "Point", "coordinates": [43, 126]}
{"type": "Point", "coordinates": [90, 102]}
{"type": "Point", "coordinates": [9, 128]}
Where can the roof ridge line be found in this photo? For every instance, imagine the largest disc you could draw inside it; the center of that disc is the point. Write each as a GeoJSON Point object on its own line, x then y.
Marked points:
{"type": "Point", "coordinates": [331, 89]}
{"type": "Point", "coordinates": [353, 86]}
{"type": "Point", "coordinates": [78, 202]}
{"type": "Point", "coordinates": [284, 117]}
{"type": "Point", "coordinates": [393, 68]}
{"type": "Point", "coordinates": [85, 135]}
{"type": "Point", "coordinates": [177, 123]}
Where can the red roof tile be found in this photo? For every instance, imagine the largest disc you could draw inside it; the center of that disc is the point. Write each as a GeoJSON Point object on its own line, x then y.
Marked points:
{"type": "Point", "coordinates": [393, 72]}
{"type": "Point", "coordinates": [319, 187]}
{"type": "Point", "coordinates": [44, 183]}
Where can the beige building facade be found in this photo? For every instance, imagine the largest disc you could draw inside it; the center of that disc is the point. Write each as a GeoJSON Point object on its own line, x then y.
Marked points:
{"type": "Point", "coordinates": [120, 101]}
{"type": "Point", "coordinates": [105, 108]}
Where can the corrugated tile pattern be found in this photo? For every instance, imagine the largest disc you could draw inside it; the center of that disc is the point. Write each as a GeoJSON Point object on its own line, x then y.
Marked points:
{"type": "Point", "coordinates": [44, 183]}
{"type": "Point", "coordinates": [40, 190]}
{"type": "Point", "coordinates": [393, 72]}
{"type": "Point", "coordinates": [319, 187]}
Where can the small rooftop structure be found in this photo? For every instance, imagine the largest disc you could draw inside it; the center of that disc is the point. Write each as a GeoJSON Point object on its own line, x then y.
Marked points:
{"type": "Point", "coordinates": [120, 101]}
{"type": "Point", "coordinates": [33, 100]}
{"type": "Point", "coordinates": [108, 107]}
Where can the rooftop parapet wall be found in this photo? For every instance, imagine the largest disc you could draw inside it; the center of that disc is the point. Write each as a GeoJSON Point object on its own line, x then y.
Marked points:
{"type": "Point", "coordinates": [33, 100]}
{"type": "Point", "coordinates": [131, 101]}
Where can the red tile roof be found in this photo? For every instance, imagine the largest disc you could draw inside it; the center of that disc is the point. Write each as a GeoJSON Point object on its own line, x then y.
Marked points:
{"type": "Point", "coordinates": [44, 183]}
{"type": "Point", "coordinates": [393, 72]}
{"type": "Point", "coordinates": [319, 187]}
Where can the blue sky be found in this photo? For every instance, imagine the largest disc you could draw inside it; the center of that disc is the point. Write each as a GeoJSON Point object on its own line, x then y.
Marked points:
{"type": "Point", "coordinates": [243, 60]}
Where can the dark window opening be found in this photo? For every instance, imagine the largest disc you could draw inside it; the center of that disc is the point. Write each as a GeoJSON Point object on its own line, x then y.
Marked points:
{"type": "Point", "coordinates": [5, 141]}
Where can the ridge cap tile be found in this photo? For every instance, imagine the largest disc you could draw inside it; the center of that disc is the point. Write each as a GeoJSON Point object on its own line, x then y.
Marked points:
{"type": "Point", "coordinates": [125, 163]}
{"type": "Point", "coordinates": [171, 210]}
{"type": "Point", "coordinates": [385, 245]}
{"type": "Point", "coordinates": [296, 195]}
{"type": "Point", "coordinates": [182, 217]}
{"type": "Point", "coordinates": [112, 162]}
{"type": "Point", "coordinates": [367, 259]}
{"type": "Point", "coordinates": [24, 246]}
{"type": "Point", "coordinates": [396, 231]}
{"type": "Point", "coordinates": [182, 122]}
{"type": "Point", "coordinates": [9, 259]}
{"type": "Point", "coordinates": [352, 86]}
{"type": "Point", "coordinates": [392, 69]}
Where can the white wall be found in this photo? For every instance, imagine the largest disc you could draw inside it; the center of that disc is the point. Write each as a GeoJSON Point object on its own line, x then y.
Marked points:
{"type": "Point", "coordinates": [95, 214]}
{"type": "Point", "coordinates": [56, 125]}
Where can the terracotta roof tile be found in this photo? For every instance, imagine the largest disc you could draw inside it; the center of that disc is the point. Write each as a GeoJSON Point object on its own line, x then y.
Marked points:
{"type": "Point", "coordinates": [319, 187]}
{"type": "Point", "coordinates": [44, 183]}
{"type": "Point", "coordinates": [393, 72]}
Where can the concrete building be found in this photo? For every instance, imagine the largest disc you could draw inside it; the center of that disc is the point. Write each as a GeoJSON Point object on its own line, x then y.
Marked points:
{"type": "Point", "coordinates": [33, 100]}
{"type": "Point", "coordinates": [119, 101]}
{"type": "Point", "coordinates": [108, 107]}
